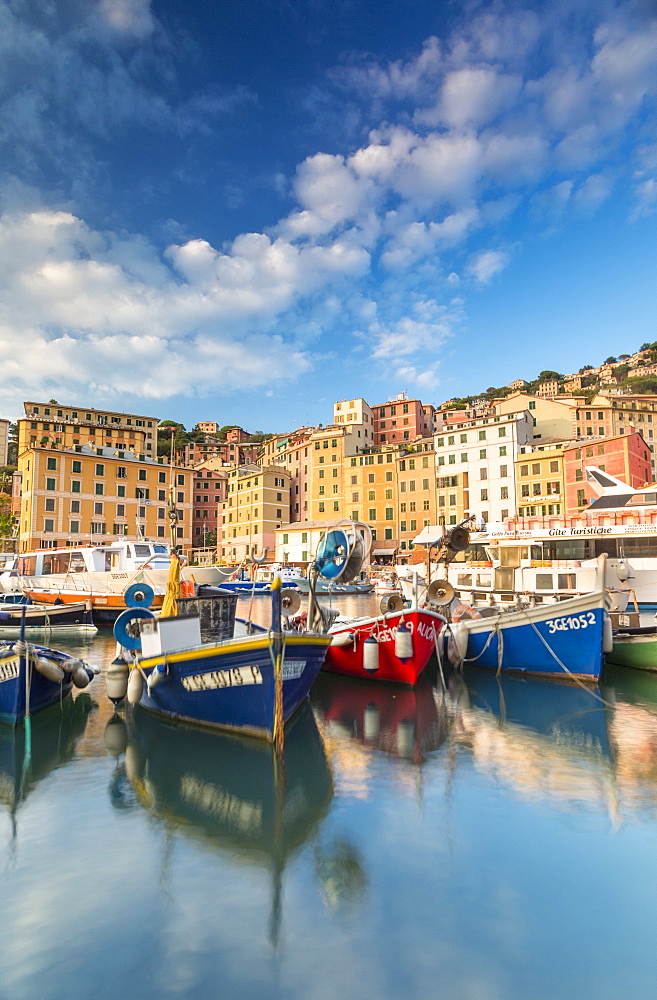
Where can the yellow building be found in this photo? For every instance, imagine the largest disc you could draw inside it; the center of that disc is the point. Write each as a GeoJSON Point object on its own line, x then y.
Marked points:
{"type": "Point", "coordinates": [370, 488]}
{"type": "Point", "coordinates": [93, 495]}
{"type": "Point", "coordinates": [51, 425]}
{"type": "Point", "coordinates": [257, 503]}
{"type": "Point", "coordinates": [416, 489]}
{"type": "Point", "coordinates": [540, 482]}
{"type": "Point", "coordinates": [552, 418]}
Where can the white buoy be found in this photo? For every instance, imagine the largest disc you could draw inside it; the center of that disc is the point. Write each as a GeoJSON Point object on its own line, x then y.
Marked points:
{"type": "Point", "coordinates": [132, 762]}
{"type": "Point", "coordinates": [135, 686]}
{"type": "Point", "coordinates": [116, 681]}
{"type": "Point", "coordinates": [342, 639]}
{"type": "Point", "coordinates": [607, 634]}
{"type": "Point", "coordinates": [157, 674]}
{"type": "Point", "coordinates": [370, 655]}
{"type": "Point", "coordinates": [403, 641]}
{"type": "Point", "coordinates": [80, 677]}
{"type": "Point", "coordinates": [49, 669]}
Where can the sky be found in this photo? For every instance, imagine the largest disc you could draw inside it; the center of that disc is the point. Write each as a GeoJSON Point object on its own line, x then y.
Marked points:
{"type": "Point", "coordinates": [245, 210]}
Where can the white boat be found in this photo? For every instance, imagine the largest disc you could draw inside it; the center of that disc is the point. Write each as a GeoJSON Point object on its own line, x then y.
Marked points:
{"type": "Point", "coordinates": [101, 574]}
{"type": "Point", "coordinates": [335, 587]}
{"type": "Point", "coordinates": [554, 558]}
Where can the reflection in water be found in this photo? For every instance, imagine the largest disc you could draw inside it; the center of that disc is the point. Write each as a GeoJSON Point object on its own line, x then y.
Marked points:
{"type": "Point", "coordinates": [341, 873]}
{"type": "Point", "coordinates": [402, 722]}
{"type": "Point", "coordinates": [633, 736]}
{"type": "Point", "coordinates": [223, 791]}
{"type": "Point", "coordinates": [55, 733]}
{"type": "Point", "coordinates": [547, 740]}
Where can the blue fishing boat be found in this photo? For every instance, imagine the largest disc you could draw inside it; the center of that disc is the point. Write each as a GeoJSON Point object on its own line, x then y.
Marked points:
{"type": "Point", "coordinates": [35, 677]}
{"type": "Point", "coordinates": [562, 640]}
{"type": "Point", "coordinates": [250, 684]}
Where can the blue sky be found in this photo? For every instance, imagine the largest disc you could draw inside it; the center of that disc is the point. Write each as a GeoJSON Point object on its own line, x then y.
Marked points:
{"type": "Point", "coordinates": [245, 210]}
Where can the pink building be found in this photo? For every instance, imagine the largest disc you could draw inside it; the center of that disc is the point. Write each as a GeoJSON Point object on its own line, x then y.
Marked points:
{"type": "Point", "coordinates": [401, 419]}
{"type": "Point", "coordinates": [209, 491]}
{"type": "Point", "coordinates": [626, 456]}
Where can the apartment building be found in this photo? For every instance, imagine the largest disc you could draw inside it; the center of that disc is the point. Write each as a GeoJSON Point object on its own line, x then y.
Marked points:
{"type": "Point", "coordinates": [370, 489]}
{"type": "Point", "coordinates": [86, 494]}
{"type": "Point", "coordinates": [551, 418]}
{"type": "Point", "coordinates": [257, 503]}
{"type": "Point", "coordinates": [475, 467]}
{"type": "Point", "coordinates": [625, 456]}
{"type": "Point", "coordinates": [416, 490]}
{"type": "Point", "coordinates": [540, 485]}
{"type": "Point", "coordinates": [51, 425]}
{"type": "Point", "coordinates": [209, 492]}
{"type": "Point", "coordinates": [356, 411]}
{"type": "Point", "coordinates": [401, 420]}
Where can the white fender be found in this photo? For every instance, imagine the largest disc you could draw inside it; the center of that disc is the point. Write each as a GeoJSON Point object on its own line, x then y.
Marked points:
{"type": "Point", "coordinates": [370, 655]}
{"type": "Point", "coordinates": [342, 639]}
{"type": "Point", "coordinates": [80, 677]}
{"type": "Point", "coordinates": [157, 674]}
{"type": "Point", "coordinates": [135, 686]}
{"type": "Point", "coordinates": [116, 736]}
{"type": "Point", "coordinates": [403, 642]}
{"type": "Point", "coordinates": [607, 634]}
{"type": "Point", "coordinates": [132, 762]}
{"type": "Point", "coordinates": [457, 643]}
{"type": "Point", "coordinates": [116, 681]}
{"type": "Point", "coordinates": [49, 669]}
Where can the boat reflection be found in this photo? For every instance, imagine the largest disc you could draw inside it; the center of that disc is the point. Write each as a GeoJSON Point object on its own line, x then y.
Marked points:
{"type": "Point", "coordinates": [222, 790]}
{"type": "Point", "coordinates": [55, 732]}
{"type": "Point", "coordinates": [402, 722]}
{"type": "Point", "coordinates": [548, 741]}
{"type": "Point", "coordinates": [633, 737]}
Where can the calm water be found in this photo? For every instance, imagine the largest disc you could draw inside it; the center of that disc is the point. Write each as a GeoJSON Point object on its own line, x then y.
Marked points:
{"type": "Point", "coordinates": [495, 842]}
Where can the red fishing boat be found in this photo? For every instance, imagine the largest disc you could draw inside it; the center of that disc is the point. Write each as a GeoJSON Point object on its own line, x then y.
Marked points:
{"type": "Point", "coordinates": [394, 646]}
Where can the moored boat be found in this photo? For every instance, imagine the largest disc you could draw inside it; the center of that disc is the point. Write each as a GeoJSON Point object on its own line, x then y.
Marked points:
{"type": "Point", "coordinates": [335, 587]}
{"type": "Point", "coordinates": [563, 640]}
{"type": "Point", "coordinates": [634, 647]}
{"type": "Point", "coordinates": [394, 646]}
{"type": "Point", "coordinates": [34, 677]}
{"type": "Point", "coordinates": [62, 619]}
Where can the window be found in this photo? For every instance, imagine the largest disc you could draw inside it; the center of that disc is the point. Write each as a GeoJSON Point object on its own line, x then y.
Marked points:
{"type": "Point", "coordinates": [580, 498]}
{"type": "Point", "coordinates": [524, 490]}
{"type": "Point", "coordinates": [554, 466]}
{"type": "Point", "coordinates": [161, 477]}
{"type": "Point", "coordinates": [100, 470]}
{"type": "Point", "coordinates": [75, 506]}
{"type": "Point", "coordinates": [121, 472]}
{"type": "Point", "coordinates": [501, 432]}
{"type": "Point", "coordinates": [502, 451]}
{"type": "Point", "coordinates": [99, 489]}
{"type": "Point", "coordinates": [77, 468]}
{"type": "Point", "coordinates": [484, 494]}
{"type": "Point", "coordinates": [120, 510]}
{"type": "Point", "coordinates": [463, 438]}
{"type": "Point", "coordinates": [321, 506]}
{"type": "Point", "coordinates": [98, 508]}
{"type": "Point", "coordinates": [579, 475]}
{"type": "Point", "coordinates": [482, 435]}
{"type": "Point", "coordinates": [120, 491]}
{"type": "Point", "coordinates": [50, 504]}
{"type": "Point", "coordinates": [388, 513]}
{"type": "Point", "coordinates": [371, 514]}
{"type": "Point", "coordinates": [532, 404]}
{"type": "Point", "coordinates": [483, 473]}
{"type": "Point", "coordinates": [50, 484]}
{"type": "Point", "coordinates": [51, 463]}
{"type": "Point", "coordinates": [503, 471]}
{"type": "Point", "coordinates": [48, 524]}
{"type": "Point", "coordinates": [97, 527]}
{"type": "Point", "coordinates": [74, 527]}
{"type": "Point", "coordinates": [504, 493]}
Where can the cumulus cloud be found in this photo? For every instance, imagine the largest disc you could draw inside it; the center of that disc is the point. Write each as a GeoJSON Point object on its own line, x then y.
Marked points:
{"type": "Point", "coordinates": [485, 265]}
{"type": "Point", "coordinates": [513, 111]}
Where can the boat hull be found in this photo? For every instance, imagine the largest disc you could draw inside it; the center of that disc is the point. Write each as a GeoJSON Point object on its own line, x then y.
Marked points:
{"type": "Point", "coordinates": [337, 588]}
{"type": "Point", "coordinates": [73, 619]}
{"type": "Point", "coordinates": [348, 658]}
{"type": "Point", "coordinates": [637, 649]}
{"type": "Point", "coordinates": [105, 607]}
{"type": "Point", "coordinates": [231, 685]}
{"type": "Point", "coordinates": [43, 692]}
{"type": "Point", "coordinates": [561, 640]}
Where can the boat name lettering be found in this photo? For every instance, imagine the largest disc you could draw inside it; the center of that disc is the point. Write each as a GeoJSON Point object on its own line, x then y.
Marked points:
{"type": "Point", "coordinates": [428, 631]}
{"type": "Point", "coordinates": [579, 531]}
{"type": "Point", "coordinates": [292, 669]}
{"type": "Point", "coordinates": [9, 670]}
{"type": "Point", "coordinates": [575, 621]}
{"type": "Point", "coordinates": [233, 677]}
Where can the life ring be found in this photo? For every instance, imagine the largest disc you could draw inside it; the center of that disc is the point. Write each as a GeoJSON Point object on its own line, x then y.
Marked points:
{"type": "Point", "coordinates": [462, 612]}
{"type": "Point", "coordinates": [139, 595]}
{"type": "Point", "coordinates": [121, 633]}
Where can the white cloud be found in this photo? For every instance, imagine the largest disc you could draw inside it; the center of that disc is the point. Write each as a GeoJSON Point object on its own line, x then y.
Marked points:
{"type": "Point", "coordinates": [485, 265]}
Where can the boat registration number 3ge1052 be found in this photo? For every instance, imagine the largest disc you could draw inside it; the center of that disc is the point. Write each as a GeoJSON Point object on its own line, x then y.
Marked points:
{"type": "Point", "coordinates": [573, 621]}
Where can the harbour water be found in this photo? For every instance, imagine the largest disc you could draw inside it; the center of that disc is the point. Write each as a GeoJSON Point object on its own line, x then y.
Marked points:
{"type": "Point", "coordinates": [492, 841]}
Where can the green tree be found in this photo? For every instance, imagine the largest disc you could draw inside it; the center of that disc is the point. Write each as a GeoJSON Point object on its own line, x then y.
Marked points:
{"type": "Point", "coordinates": [6, 517]}
{"type": "Point", "coordinates": [12, 448]}
{"type": "Point", "coordinates": [549, 376]}
{"type": "Point", "coordinates": [610, 360]}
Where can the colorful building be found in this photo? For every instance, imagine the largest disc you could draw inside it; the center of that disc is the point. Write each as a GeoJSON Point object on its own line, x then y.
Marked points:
{"type": "Point", "coordinates": [51, 425]}
{"type": "Point", "coordinates": [626, 457]}
{"type": "Point", "coordinates": [88, 495]}
{"type": "Point", "coordinates": [257, 503]}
